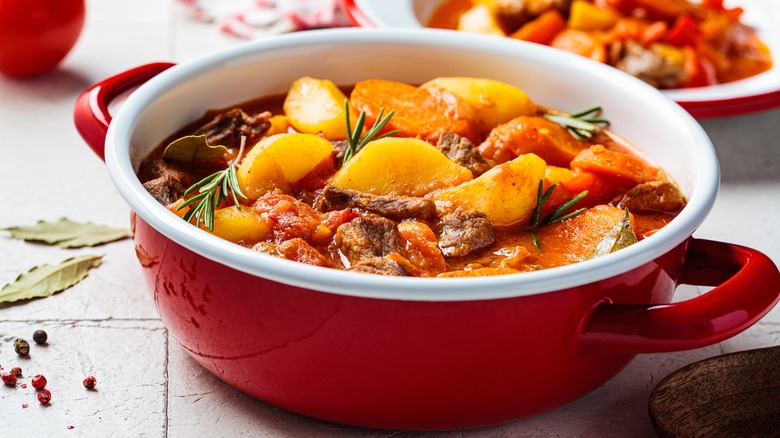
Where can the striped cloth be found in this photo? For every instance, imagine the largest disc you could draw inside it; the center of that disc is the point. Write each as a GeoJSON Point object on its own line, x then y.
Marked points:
{"type": "Point", "coordinates": [256, 18]}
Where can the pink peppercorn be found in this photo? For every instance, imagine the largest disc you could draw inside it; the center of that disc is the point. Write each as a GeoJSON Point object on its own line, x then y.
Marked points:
{"type": "Point", "coordinates": [44, 396]}
{"type": "Point", "coordinates": [39, 382]}
{"type": "Point", "coordinates": [9, 379]}
{"type": "Point", "coordinates": [90, 382]}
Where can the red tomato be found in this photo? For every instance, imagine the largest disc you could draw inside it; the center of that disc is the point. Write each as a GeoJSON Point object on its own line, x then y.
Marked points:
{"type": "Point", "coordinates": [36, 34]}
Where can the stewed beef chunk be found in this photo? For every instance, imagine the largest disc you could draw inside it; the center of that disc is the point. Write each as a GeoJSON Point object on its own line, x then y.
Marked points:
{"type": "Point", "coordinates": [381, 266]}
{"type": "Point", "coordinates": [653, 197]}
{"type": "Point", "coordinates": [227, 128]}
{"type": "Point", "coordinates": [157, 167]}
{"type": "Point", "coordinates": [462, 151]}
{"type": "Point", "coordinates": [166, 189]}
{"type": "Point", "coordinates": [464, 232]}
{"type": "Point", "coordinates": [396, 207]}
{"type": "Point", "coordinates": [368, 236]}
{"type": "Point", "coordinates": [339, 150]}
{"type": "Point", "coordinates": [651, 66]}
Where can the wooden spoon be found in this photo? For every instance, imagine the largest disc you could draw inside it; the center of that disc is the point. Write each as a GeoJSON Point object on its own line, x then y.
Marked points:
{"type": "Point", "coordinates": [733, 395]}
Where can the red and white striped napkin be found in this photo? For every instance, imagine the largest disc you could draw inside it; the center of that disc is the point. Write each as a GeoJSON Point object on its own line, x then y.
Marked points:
{"type": "Point", "coordinates": [256, 18]}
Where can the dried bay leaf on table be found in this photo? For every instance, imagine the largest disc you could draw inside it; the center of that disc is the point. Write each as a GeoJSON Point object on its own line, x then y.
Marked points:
{"type": "Point", "coordinates": [68, 234]}
{"type": "Point", "coordinates": [42, 281]}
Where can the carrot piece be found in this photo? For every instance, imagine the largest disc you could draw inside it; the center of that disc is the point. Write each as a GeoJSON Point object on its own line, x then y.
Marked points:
{"type": "Point", "coordinates": [573, 239]}
{"type": "Point", "coordinates": [478, 272]}
{"type": "Point", "coordinates": [581, 43]}
{"type": "Point", "coordinates": [617, 165]}
{"type": "Point", "coordinates": [422, 248]}
{"type": "Point", "coordinates": [601, 188]}
{"type": "Point", "coordinates": [422, 113]}
{"type": "Point", "coordinates": [525, 135]}
{"type": "Point", "coordinates": [542, 29]}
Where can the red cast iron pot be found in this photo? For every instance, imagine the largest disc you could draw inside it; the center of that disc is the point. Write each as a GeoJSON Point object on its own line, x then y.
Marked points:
{"type": "Point", "coordinates": [413, 353]}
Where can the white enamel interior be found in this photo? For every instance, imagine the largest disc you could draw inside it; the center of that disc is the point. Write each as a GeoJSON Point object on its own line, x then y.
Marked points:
{"type": "Point", "coordinates": [671, 137]}
{"type": "Point", "coordinates": [763, 15]}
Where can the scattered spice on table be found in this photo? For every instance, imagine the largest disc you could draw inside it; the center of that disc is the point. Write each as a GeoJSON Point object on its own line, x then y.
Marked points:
{"type": "Point", "coordinates": [9, 379]}
{"type": "Point", "coordinates": [40, 337]}
{"type": "Point", "coordinates": [39, 381]}
{"type": "Point", "coordinates": [44, 396]}
{"type": "Point", "coordinates": [90, 382]}
{"type": "Point", "coordinates": [21, 347]}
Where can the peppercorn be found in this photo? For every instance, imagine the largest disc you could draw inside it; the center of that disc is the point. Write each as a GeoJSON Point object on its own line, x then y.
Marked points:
{"type": "Point", "coordinates": [40, 337]}
{"type": "Point", "coordinates": [44, 396]}
{"type": "Point", "coordinates": [21, 347]}
{"type": "Point", "coordinates": [90, 382]}
{"type": "Point", "coordinates": [16, 371]}
{"type": "Point", "coordinates": [9, 379]}
{"type": "Point", "coordinates": [39, 382]}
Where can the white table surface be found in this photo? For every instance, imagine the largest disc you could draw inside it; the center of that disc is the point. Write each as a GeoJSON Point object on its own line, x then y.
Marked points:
{"type": "Point", "coordinates": [107, 325]}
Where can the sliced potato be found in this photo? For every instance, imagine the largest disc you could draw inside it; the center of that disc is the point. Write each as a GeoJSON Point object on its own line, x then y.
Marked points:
{"type": "Point", "coordinates": [317, 105]}
{"type": "Point", "coordinates": [240, 226]}
{"type": "Point", "coordinates": [494, 102]}
{"type": "Point", "coordinates": [279, 160]}
{"type": "Point", "coordinates": [400, 166]}
{"type": "Point", "coordinates": [506, 194]}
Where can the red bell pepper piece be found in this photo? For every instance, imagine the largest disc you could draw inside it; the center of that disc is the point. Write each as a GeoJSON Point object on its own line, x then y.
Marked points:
{"type": "Point", "coordinates": [684, 32]}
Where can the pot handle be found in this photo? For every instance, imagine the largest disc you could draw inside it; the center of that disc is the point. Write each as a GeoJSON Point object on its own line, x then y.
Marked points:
{"type": "Point", "coordinates": [91, 114]}
{"type": "Point", "coordinates": [747, 286]}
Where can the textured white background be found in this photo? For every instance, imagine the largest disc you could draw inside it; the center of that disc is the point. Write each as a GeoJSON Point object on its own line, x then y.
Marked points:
{"type": "Point", "coordinates": [107, 325]}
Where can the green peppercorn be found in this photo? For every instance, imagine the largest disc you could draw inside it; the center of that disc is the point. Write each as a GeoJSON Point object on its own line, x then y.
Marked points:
{"type": "Point", "coordinates": [21, 347]}
{"type": "Point", "coordinates": [40, 337]}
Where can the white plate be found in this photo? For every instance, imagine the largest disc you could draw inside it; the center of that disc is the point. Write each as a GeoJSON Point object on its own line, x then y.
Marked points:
{"type": "Point", "coordinates": [757, 93]}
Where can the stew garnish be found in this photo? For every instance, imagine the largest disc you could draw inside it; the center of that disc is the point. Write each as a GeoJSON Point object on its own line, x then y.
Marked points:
{"type": "Point", "coordinates": [556, 215]}
{"type": "Point", "coordinates": [581, 124]}
{"type": "Point", "coordinates": [212, 190]}
{"type": "Point", "coordinates": [354, 142]}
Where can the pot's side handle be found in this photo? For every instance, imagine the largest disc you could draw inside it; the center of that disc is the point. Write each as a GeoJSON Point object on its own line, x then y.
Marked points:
{"type": "Point", "coordinates": [747, 286]}
{"type": "Point", "coordinates": [91, 114]}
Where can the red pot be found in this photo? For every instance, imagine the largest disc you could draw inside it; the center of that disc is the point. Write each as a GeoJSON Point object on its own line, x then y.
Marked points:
{"type": "Point", "coordinates": [412, 353]}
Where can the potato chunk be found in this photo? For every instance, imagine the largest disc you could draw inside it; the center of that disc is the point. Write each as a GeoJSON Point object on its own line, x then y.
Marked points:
{"type": "Point", "coordinates": [279, 160]}
{"type": "Point", "coordinates": [316, 105]}
{"type": "Point", "coordinates": [506, 194]}
{"type": "Point", "coordinates": [480, 19]}
{"type": "Point", "coordinates": [494, 102]}
{"type": "Point", "coordinates": [240, 226]}
{"type": "Point", "coordinates": [399, 166]}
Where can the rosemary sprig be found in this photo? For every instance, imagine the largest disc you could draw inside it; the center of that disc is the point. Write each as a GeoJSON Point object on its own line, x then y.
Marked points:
{"type": "Point", "coordinates": [554, 217]}
{"type": "Point", "coordinates": [211, 191]}
{"type": "Point", "coordinates": [582, 124]}
{"type": "Point", "coordinates": [354, 142]}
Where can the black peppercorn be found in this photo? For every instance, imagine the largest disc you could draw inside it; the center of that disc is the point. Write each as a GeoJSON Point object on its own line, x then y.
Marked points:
{"type": "Point", "coordinates": [40, 337]}
{"type": "Point", "coordinates": [21, 347]}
